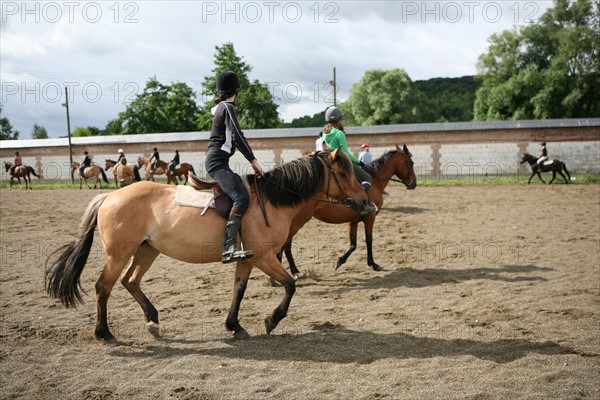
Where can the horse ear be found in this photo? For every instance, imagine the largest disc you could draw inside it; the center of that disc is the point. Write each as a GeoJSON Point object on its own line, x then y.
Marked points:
{"type": "Point", "coordinates": [397, 147]}
{"type": "Point", "coordinates": [335, 153]}
{"type": "Point", "coordinates": [405, 149]}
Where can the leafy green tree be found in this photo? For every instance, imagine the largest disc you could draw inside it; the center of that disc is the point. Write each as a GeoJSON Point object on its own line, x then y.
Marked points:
{"type": "Point", "coordinates": [550, 69]}
{"type": "Point", "coordinates": [158, 109]}
{"type": "Point", "coordinates": [317, 120]}
{"type": "Point", "coordinates": [39, 132]}
{"type": "Point", "coordinates": [383, 97]}
{"type": "Point", "coordinates": [448, 99]}
{"type": "Point", "coordinates": [6, 129]}
{"type": "Point", "coordinates": [83, 131]}
{"type": "Point", "coordinates": [255, 106]}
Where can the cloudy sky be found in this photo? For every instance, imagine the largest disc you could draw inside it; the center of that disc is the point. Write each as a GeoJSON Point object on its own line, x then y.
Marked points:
{"type": "Point", "coordinates": [105, 51]}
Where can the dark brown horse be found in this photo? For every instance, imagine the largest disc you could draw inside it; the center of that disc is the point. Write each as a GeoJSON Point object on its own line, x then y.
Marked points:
{"type": "Point", "coordinates": [396, 162]}
{"type": "Point", "coordinates": [140, 221]}
{"type": "Point", "coordinates": [22, 171]}
{"type": "Point", "coordinates": [554, 167]}
{"type": "Point", "coordinates": [91, 172]}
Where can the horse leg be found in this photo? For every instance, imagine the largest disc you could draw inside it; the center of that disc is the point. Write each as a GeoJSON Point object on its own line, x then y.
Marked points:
{"type": "Point", "coordinates": [275, 270]}
{"type": "Point", "coordinates": [242, 273]}
{"type": "Point", "coordinates": [352, 229]}
{"type": "Point", "coordinates": [553, 177]}
{"type": "Point", "coordinates": [287, 249]}
{"type": "Point", "coordinates": [142, 260]}
{"type": "Point", "coordinates": [116, 260]}
{"type": "Point", "coordinates": [369, 222]}
{"type": "Point", "coordinates": [563, 176]}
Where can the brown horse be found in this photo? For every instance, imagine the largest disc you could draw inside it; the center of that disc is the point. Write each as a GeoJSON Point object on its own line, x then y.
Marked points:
{"type": "Point", "coordinates": [22, 171]}
{"type": "Point", "coordinates": [396, 162]}
{"type": "Point", "coordinates": [142, 220]}
{"type": "Point", "coordinates": [162, 167]}
{"type": "Point", "coordinates": [112, 164]}
{"type": "Point", "coordinates": [91, 172]}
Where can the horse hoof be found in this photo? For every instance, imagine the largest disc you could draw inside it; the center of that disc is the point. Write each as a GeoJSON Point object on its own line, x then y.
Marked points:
{"type": "Point", "coordinates": [299, 275]}
{"type": "Point", "coordinates": [241, 335]}
{"type": "Point", "coordinates": [106, 337]}
{"type": "Point", "coordinates": [375, 267]}
{"type": "Point", "coordinates": [269, 325]}
{"type": "Point", "coordinates": [338, 264]}
{"type": "Point", "coordinates": [153, 328]}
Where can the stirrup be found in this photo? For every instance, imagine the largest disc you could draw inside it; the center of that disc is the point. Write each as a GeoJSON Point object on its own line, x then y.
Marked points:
{"type": "Point", "coordinates": [236, 255]}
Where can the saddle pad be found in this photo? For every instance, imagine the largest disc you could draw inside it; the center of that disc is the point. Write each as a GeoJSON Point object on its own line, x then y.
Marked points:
{"type": "Point", "coordinates": [548, 162]}
{"type": "Point", "coordinates": [190, 197]}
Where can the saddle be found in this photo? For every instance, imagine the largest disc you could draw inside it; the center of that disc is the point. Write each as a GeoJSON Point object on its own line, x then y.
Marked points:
{"type": "Point", "coordinates": [220, 201]}
{"type": "Point", "coordinates": [548, 162]}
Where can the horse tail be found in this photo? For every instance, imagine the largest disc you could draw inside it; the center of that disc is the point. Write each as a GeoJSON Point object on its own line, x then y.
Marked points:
{"type": "Point", "coordinates": [103, 175]}
{"type": "Point", "coordinates": [192, 169]}
{"type": "Point", "coordinates": [33, 172]}
{"type": "Point", "coordinates": [63, 276]}
{"type": "Point", "coordinates": [564, 166]}
{"type": "Point", "coordinates": [136, 173]}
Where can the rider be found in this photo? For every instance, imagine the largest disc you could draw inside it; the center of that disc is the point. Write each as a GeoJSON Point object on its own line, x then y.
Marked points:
{"type": "Point", "coordinates": [543, 155]}
{"type": "Point", "coordinates": [156, 158]}
{"type": "Point", "coordinates": [18, 163]}
{"type": "Point", "coordinates": [124, 173]}
{"type": "Point", "coordinates": [87, 161]}
{"type": "Point", "coordinates": [121, 155]}
{"type": "Point", "coordinates": [334, 137]}
{"type": "Point", "coordinates": [174, 162]}
{"type": "Point", "coordinates": [225, 136]}
{"type": "Point", "coordinates": [365, 155]}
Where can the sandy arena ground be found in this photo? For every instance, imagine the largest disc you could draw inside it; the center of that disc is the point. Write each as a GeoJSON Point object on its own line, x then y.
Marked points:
{"type": "Point", "coordinates": [487, 292]}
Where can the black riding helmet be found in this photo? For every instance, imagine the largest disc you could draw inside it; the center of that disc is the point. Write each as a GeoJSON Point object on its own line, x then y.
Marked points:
{"type": "Point", "coordinates": [228, 84]}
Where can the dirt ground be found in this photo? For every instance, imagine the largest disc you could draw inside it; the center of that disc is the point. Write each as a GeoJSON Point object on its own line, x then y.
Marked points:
{"type": "Point", "coordinates": [487, 292]}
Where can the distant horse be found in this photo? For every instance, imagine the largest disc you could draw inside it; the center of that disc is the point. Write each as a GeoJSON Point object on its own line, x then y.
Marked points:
{"type": "Point", "coordinates": [112, 164]}
{"type": "Point", "coordinates": [91, 172]}
{"type": "Point", "coordinates": [161, 167]}
{"type": "Point", "coordinates": [396, 162]}
{"type": "Point", "coordinates": [22, 171]}
{"type": "Point", "coordinates": [141, 221]}
{"type": "Point", "coordinates": [554, 167]}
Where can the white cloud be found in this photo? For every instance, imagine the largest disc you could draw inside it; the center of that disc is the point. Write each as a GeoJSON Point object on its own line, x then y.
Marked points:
{"type": "Point", "coordinates": [107, 57]}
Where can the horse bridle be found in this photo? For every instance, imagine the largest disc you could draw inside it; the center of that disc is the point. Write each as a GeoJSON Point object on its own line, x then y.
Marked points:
{"type": "Point", "coordinates": [348, 201]}
{"type": "Point", "coordinates": [406, 161]}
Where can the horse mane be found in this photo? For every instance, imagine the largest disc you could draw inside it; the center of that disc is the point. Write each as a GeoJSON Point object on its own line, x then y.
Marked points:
{"type": "Point", "coordinates": [296, 181]}
{"type": "Point", "coordinates": [381, 161]}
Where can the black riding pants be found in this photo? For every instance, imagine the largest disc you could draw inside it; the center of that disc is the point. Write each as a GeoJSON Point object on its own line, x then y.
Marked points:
{"type": "Point", "coordinates": [217, 166]}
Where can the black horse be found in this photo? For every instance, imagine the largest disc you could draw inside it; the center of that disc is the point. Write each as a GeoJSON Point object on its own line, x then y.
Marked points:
{"type": "Point", "coordinates": [554, 167]}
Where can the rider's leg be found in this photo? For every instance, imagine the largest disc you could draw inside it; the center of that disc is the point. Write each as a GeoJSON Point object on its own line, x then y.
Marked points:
{"type": "Point", "coordinates": [365, 180]}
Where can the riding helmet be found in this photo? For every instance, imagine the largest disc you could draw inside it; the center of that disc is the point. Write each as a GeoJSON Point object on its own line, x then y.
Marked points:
{"type": "Point", "coordinates": [333, 114]}
{"type": "Point", "coordinates": [120, 151]}
{"type": "Point", "coordinates": [228, 83]}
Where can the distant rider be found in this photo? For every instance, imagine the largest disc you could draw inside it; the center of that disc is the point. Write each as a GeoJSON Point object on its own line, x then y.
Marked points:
{"type": "Point", "coordinates": [87, 162]}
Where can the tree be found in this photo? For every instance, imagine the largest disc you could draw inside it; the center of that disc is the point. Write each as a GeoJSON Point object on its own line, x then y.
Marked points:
{"type": "Point", "coordinates": [158, 109]}
{"type": "Point", "coordinates": [255, 106]}
{"type": "Point", "coordinates": [39, 132]}
{"type": "Point", "coordinates": [84, 131]}
{"type": "Point", "coordinates": [6, 129]}
{"type": "Point", "coordinates": [383, 97]}
{"type": "Point", "coordinates": [549, 69]}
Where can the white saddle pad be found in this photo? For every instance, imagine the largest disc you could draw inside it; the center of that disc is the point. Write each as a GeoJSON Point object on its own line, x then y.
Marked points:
{"type": "Point", "coordinates": [189, 197]}
{"type": "Point", "coordinates": [548, 162]}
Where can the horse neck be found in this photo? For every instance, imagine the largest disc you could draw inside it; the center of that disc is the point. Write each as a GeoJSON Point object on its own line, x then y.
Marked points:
{"type": "Point", "coordinates": [383, 175]}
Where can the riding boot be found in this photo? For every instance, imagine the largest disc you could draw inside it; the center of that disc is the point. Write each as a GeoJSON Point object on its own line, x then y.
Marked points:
{"type": "Point", "coordinates": [369, 208]}
{"type": "Point", "coordinates": [230, 251]}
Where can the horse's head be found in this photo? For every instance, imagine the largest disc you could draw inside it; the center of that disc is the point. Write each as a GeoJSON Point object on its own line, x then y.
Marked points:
{"type": "Point", "coordinates": [346, 187]}
{"type": "Point", "coordinates": [405, 170]}
{"type": "Point", "coordinates": [527, 158]}
{"type": "Point", "coordinates": [7, 166]}
{"type": "Point", "coordinates": [108, 164]}
{"type": "Point", "coordinates": [399, 163]}
{"type": "Point", "coordinates": [141, 162]}
{"type": "Point", "coordinates": [75, 166]}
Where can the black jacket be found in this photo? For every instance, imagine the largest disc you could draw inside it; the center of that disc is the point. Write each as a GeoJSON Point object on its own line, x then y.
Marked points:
{"type": "Point", "coordinates": [226, 134]}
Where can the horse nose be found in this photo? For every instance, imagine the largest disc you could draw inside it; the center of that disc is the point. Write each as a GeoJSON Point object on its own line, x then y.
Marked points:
{"type": "Point", "coordinates": [411, 185]}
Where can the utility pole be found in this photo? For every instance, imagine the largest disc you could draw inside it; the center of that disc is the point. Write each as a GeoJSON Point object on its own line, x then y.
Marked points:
{"type": "Point", "coordinates": [334, 84]}
{"type": "Point", "coordinates": [66, 104]}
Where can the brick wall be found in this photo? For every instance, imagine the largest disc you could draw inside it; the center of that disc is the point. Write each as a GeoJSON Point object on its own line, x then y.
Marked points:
{"type": "Point", "coordinates": [440, 150]}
